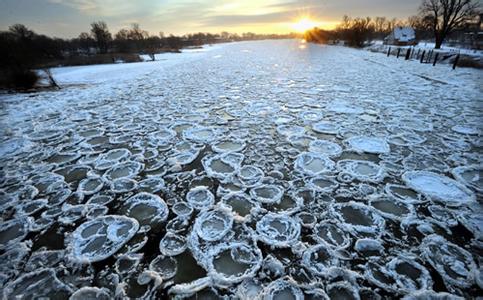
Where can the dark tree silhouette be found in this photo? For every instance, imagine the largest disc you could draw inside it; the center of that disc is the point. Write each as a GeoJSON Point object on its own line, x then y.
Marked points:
{"type": "Point", "coordinates": [444, 16]}
{"type": "Point", "coordinates": [101, 35]}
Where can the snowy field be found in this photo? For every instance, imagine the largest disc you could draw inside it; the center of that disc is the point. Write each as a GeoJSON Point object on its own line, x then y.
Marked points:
{"type": "Point", "coordinates": [254, 170]}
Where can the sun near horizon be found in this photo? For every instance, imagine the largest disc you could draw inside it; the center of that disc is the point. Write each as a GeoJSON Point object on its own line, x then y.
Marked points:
{"type": "Point", "coordinates": [304, 24]}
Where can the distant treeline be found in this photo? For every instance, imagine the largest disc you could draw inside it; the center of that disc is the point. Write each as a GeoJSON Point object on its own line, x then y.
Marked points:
{"type": "Point", "coordinates": [22, 50]}
{"type": "Point", "coordinates": [438, 20]}
{"type": "Point", "coordinates": [356, 32]}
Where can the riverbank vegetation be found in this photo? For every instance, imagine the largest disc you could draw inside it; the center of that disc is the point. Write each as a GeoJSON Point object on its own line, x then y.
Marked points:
{"type": "Point", "coordinates": [22, 51]}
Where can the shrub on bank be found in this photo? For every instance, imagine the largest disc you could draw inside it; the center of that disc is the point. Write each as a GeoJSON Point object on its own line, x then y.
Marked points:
{"type": "Point", "coordinates": [21, 79]}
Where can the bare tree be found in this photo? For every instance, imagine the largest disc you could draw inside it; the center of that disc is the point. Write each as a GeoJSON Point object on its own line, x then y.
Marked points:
{"type": "Point", "coordinates": [101, 35]}
{"type": "Point", "coordinates": [50, 77]}
{"type": "Point", "coordinates": [444, 16]}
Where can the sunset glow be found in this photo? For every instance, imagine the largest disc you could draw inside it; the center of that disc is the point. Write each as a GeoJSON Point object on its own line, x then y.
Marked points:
{"type": "Point", "coordinates": [304, 24]}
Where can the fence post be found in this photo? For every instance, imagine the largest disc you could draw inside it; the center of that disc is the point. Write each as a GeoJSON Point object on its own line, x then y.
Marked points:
{"type": "Point", "coordinates": [398, 51]}
{"type": "Point", "coordinates": [408, 53]}
{"type": "Point", "coordinates": [428, 57]}
{"type": "Point", "coordinates": [456, 61]}
{"type": "Point", "coordinates": [417, 55]}
{"type": "Point", "coordinates": [422, 56]}
{"type": "Point", "coordinates": [389, 52]}
{"type": "Point", "coordinates": [435, 59]}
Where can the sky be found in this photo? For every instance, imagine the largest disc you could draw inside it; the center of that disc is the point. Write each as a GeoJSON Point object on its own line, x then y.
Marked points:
{"type": "Point", "coordinates": [68, 18]}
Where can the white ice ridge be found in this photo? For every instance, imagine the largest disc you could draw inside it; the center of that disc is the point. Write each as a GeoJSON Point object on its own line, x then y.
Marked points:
{"type": "Point", "coordinates": [439, 188]}
{"type": "Point", "coordinates": [368, 144]}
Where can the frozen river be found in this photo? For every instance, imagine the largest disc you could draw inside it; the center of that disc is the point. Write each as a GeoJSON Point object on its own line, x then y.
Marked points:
{"type": "Point", "coordinates": [254, 170]}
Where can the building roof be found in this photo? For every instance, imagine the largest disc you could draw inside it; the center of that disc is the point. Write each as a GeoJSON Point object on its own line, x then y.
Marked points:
{"type": "Point", "coordinates": [404, 34]}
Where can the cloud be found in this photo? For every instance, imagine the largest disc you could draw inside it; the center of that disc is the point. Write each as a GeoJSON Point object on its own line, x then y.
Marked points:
{"type": "Point", "coordinates": [230, 20]}
{"type": "Point", "coordinates": [110, 8]}
{"type": "Point", "coordinates": [82, 5]}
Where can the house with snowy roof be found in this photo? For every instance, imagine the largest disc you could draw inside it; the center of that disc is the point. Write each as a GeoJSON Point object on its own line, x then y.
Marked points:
{"type": "Point", "coordinates": [401, 36]}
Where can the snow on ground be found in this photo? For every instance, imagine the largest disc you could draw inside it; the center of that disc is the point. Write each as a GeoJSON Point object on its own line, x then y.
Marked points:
{"type": "Point", "coordinates": [248, 170]}
{"type": "Point", "coordinates": [425, 45]}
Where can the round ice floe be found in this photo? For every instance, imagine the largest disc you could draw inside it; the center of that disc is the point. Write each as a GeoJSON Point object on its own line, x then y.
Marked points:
{"type": "Point", "coordinates": [465, 129]}
{"type": "Point", "coordinates": [470, 176]}
{"type": "Point", "coordinates": [177, 224]}
{"type": "Point", "coordinates": [402, 193]}
{"type": "Point", "coordinates": [409, 274]}
{"type": "Point", "coordinates": [282, 119]}
{"type": "Point", "coordinates": [368, 144]}
{"type": "Point", "coordinates": [310, 116]}
{"type": "Point", "coordinates": [30, 207]}
{"type": "Point", "coordinates": [222, 166]}
{"type": "Point", "coordinates": [200, 134]}
{"type": "Point", "coordinates": [331, 233]}
{"type": "Point", "coordinates": [90, 186]}
{"type": "Point", "coordinates": [300, 140]}
{"type": "Point", "coordinates": [183, 157]}
{"type": "Point", "coordinates": [362, 170]}
{"type": "Point", "coordinates": [98, 239]}
{"type": "Point", "coordinates": [114, 155]}
{"type": "Point", "coordinates": [278, 230]}
{"type": "Point", "coordinates": [307, 219]}
{"type": "Point", "coordinates": [267, 193]}
{"type": "Point", "coordinates": [96, 211]}
{"type": "Point", "coordinates": [161, 137]}
{"type": "Point", "coordinates": [73, 173]}
{"type": "Point", "coordinates": [359, 217]}
{"type": "Point", "coordinates": [289, 130]}
{"type": "Point", "coordinates": [391, 208]}
{"type": "Point", "coordinates": [228, 146]}
{"type": "Point", "coordinates": [127, 263]}
{"type": "Point", "coordinates": [379, 275]}
{"type": "Point", "coordinates": [241, 204]}
{"type": "Point", "coordinates": [250, 176]}
{"type": "Point", "coordinates": [200, 197]}
{"type": "Point", "coordinates": [172, 244]}
{"type": "Point", "coordinates": [91, 293]}
{"type": "Point", "coordinates": [234, 262]}
{"type": "Point", "coordinates": [406, 139]}
{"type": "Point", "coordinates": [323, 184]}
{"type": "Point", "coordinates": [152, 184]}
{"type": "Point", "coordinates": [124, 170]}
{"type": "Point", "coordinates": [182, 209]}
{"type": "Point", "coordinates": [313, 164]}
{"type": "Point", "coordinates": [283, 288]}
{"type": "Point", "coordinates": [147, 209]}
{"type": "Point", "coordinates": [165, 266]}
{"type": "Point", "coordinates": [13, 231]}
{"type": "Point", "coordinates": [317, 259]}
{"type": "Point", "coordinates": [453, 263]}
{"type": "Point", "coordinates": [326, 148]}
{"type": "Point", "coordinates": [123, 185]}
{"type": "Point", "coordinates": [100, 199]}
{"type": "Point", "coordinates": [213, 225]}
{"type": "Point", "coordinates": [326, 127]}
{"type": "Point", "coordinates": [368, 246]}
{"type": "Point", "coordinates": [39, 284]}
{"type": "Point", "coordinates": [439, 188]}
